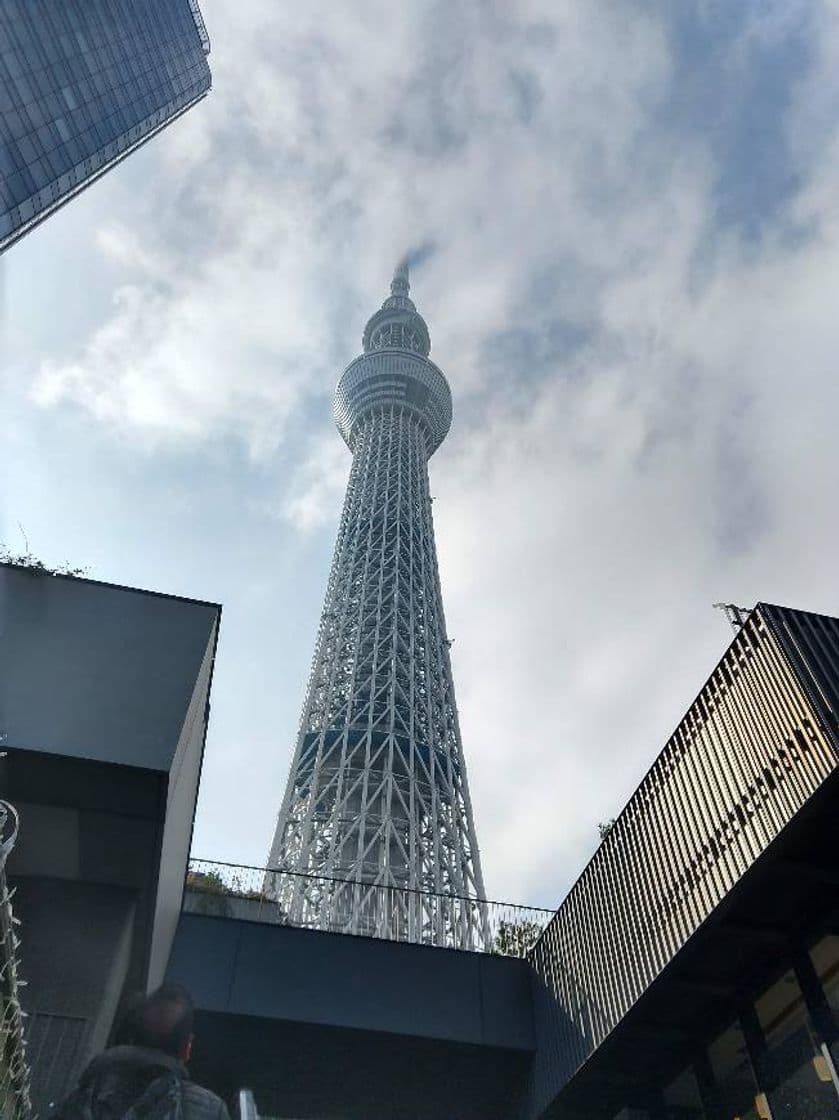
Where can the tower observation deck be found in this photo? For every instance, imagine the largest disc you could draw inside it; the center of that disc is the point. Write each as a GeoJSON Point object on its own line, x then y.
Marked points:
{"type": "Point", "coordinates": [376, 817]}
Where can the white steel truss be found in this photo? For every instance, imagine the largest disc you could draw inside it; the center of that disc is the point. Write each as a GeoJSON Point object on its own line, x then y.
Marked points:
{"type": "Point", "coordinates": [377, 795]}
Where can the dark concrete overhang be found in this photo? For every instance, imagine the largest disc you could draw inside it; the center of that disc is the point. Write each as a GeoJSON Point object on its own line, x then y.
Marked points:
{"type": "Point", "coordinates": [103, 713]}
{"type": "Point", "coordinates": [321, 1024]}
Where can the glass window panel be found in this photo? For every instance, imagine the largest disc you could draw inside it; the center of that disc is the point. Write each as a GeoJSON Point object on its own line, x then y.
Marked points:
{"type": "Point", "coordinates": [26, 147]}
{"type": "Point", "coordinates": [52, 163]}
{"type": "Point", "coordinates": [13, 63]}
{"type": "Point", "coordinates": [35, 112]}
{"type": "Point", "coordinates": [27, 179]}
{"type": "Point", "coordinates": [45, 138]}
{"type": "Point", "coordinates": [40, 174]}
{"type": "Point", "coordinates": [73, 150]}
{"type": "Point", "coordinates": [17, 188]}
{"type": "Point", "coordinates": [43, 82]}
{"type": "Point", "coordinates": [8, 165]}
{"type": "Point", "coordinates": [15, 123]}
{"type": "Point", "coordinates": [52, 106]}
{"type": "Point", "coordinates": [23, 87]}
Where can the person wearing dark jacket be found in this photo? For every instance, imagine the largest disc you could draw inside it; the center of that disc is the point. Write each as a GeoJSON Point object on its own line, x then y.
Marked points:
{"type": "Point", "coordinates": [146, 1070]}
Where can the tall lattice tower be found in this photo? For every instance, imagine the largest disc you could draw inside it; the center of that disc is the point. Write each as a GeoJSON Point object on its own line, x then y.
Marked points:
{"type": "Point", "coordinates": [376, 815]}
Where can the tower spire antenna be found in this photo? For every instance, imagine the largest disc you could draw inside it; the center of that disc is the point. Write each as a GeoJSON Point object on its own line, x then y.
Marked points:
{"type": "Point", "coordinates": [400, 285]}
{"type": "Point", "coordinates": [397, 325]}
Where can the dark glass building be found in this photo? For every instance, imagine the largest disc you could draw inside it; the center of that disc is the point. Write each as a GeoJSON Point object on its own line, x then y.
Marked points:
{"type": "Point", "coordinates": [81, 86]}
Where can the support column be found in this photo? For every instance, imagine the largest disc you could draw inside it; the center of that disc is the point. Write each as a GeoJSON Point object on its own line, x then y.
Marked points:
{"type": "Point", "coordinates": [709, 1090]}
{"type": "Point", "coordinates": [759, 1057]}
{"type": "Point", "coordinates": [820, 1011]}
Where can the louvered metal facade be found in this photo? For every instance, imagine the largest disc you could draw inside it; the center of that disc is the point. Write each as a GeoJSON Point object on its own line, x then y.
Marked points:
{"type": "Point", "coordinates": [377, 795]}
{"type": "Point", "coordinates": [759, 740]}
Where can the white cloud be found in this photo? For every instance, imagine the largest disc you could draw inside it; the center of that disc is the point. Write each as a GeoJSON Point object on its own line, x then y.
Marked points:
{"type": "Point", "coordinates": [316, 489]}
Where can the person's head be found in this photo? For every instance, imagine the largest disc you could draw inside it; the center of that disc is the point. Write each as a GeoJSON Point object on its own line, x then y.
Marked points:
{"type": "Point", "coordinates": [161, 1020]}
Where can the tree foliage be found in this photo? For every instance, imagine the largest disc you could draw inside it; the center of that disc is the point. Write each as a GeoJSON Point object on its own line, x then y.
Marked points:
{"type": "Point", "coordinates": [516, 939]}
{"type": "Point", "coordinates": [38, 567]}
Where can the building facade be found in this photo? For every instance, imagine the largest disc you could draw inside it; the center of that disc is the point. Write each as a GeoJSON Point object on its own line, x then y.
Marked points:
{"type": "Point", "coordinates": [378, 796]}
{"type": "Point", "coordinates": [104, 702]}
{"type": "Point", "coordinates": [82, 86]}
{"type": "Point", "coordinates": [691, 971]}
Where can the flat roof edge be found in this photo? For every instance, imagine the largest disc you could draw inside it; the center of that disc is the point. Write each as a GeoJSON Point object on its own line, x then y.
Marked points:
{"type": "Point", "coordinates": [36, 572]}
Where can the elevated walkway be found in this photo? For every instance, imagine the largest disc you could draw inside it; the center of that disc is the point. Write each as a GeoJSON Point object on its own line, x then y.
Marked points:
{"type": "Point", "coordinates": [321, 1024]}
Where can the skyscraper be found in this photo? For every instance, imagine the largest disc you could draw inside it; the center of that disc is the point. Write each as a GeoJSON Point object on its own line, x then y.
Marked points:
{"type": "Point", "coordinates": [377, 797]}
{"type": "Point", "coordinates": [82, 86]}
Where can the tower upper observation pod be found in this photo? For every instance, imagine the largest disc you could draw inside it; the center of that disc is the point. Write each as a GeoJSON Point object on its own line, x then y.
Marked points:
{"type": "Point", "coordinates": [395, 370]}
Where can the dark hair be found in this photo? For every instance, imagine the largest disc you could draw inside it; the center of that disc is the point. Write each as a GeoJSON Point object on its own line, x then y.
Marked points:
{"type": "Point", "coordinates": [161, 1020]}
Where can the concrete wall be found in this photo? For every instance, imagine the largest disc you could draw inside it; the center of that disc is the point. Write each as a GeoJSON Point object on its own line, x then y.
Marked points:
{"type": "Point", "coordinates": [89, 670]}
{"type": "Point", "coordinates": [180, 811]}
{"type": "Point", "coordinates": [356, 983]}
{"type": "Point", "coordinates": [76, 941]}
{"type": "Point", "coordinates": [103, 711]}
{"type": "Point", "coordinates": [322, 1024]}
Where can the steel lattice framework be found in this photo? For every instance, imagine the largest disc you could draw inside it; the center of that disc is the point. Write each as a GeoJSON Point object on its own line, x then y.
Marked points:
{"type": "Point", "coordinates": [377, 795]}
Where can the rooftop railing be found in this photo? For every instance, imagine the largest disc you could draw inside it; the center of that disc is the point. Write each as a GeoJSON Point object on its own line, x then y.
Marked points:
{"type": "Point", "coordinates": [201, 27]}
{"type": "Point", "coordinates": [390, 913]}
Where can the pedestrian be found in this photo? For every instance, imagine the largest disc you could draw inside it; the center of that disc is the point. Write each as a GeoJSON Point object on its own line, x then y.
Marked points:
{"type": "Point", "coordinates": [144, 1076]}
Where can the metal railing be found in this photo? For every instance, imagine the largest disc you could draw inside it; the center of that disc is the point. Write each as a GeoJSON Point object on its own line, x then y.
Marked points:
{"type": "Point", "coordinates": [390, 913]}
{"type": "Point", "coordinates": [15, 1102]}
{"type": "Point", "coordinates": [55, 1049]}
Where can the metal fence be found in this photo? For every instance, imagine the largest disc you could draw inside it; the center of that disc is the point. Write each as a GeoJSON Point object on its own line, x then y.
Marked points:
{"type": "Point", "coordinates": [756, 744]}
{"type": "Point", "coordinates": [390, 913]}
{"type": "Point", "coordinates": [15, 1102]}
{"type": "Point", "coordinates": [55, 1048]}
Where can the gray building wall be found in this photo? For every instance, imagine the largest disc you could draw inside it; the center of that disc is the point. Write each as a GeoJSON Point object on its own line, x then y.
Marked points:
{"type": "Point", "coordinates": [95, 671]}
{"type": "Point", "coordinates": [76, 954]}
{"type": "Point", "coordinates": [181, 796]}
{"type": "Point", "coordinates": [104, 700]}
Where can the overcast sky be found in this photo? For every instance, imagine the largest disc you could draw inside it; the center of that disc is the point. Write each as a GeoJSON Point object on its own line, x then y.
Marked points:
{"type": "Point", "coordinates": [632, 211]}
